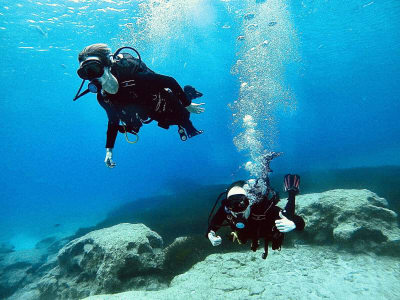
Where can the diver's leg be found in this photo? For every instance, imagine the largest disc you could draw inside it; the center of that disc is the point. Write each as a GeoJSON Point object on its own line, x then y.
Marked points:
{"type": "Point", "coordinates": [265, 254]}
{"type": "Point", "coordinates": [292, 185]}
{"type": "Point", "coordinates": [176, 114]}
{"type": "Point", "coordinates": [182, 118]}
{"type": "Point", "coordinates": [290, 205]}
{"type": "Point", "coordinates": [254, 245]}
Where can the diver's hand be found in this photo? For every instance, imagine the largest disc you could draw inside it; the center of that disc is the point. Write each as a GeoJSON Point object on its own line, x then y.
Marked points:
{"type": "Point", "coordinates": [195, 108]}
{"type": "Point", "coordinates": [284, 224]}
{"type": "Point", "coordinates": [108, 160]}
{"type": "Point", "coordinates": [214, 239]}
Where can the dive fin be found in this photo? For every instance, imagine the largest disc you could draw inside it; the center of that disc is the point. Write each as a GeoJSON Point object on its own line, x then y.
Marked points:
{"type": "Point", "coordinates": [182, 133]}
{"type": "Point", "coordinates": [292, 183]}
{"type": "Point", "coordinates": [189, 129]}
{"type": "Point", "coordinates": [191, 92]}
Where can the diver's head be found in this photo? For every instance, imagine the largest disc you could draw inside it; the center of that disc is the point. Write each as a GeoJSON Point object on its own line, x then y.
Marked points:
{"type": "Point", "coordinates": [238, 205]}
{"type": "Point", "coordinates": [92, 61]}
{"type": "Point", "coordinates": [91, 68]}
{"type": "Point", "coordinates": [94, 65]}
{"type": "Point", "coordinates": [101, 51]}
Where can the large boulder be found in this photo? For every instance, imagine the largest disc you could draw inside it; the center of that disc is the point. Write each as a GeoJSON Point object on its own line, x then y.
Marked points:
{"type": "Point", "coordinates": [106, 261]}
{"type": "Point", "coordinates": [358, 220]}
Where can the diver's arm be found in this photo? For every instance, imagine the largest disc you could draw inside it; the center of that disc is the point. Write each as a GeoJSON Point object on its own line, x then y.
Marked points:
{"type": "Point", "coordinates": [217, 219]}
{"type": "Point", "coordinates": [290, 205]}
{"type": "Point", "coordinates": [113, 121]}
{"type": "Point", "coordinates": [214, 225]}
{"type": "Point", "coordinates": [112, 130]}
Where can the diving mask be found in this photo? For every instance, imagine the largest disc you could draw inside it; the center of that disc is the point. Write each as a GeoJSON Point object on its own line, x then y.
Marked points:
{"type": "Point", "coordinates": [100, 78]}
{"type": "Point", "coordinates": [91, 68]}
{"type": "Point", "coordinates": [238, 207]}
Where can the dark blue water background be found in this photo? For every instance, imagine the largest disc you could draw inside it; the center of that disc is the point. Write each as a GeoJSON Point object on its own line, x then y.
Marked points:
{"type": "Point", "coordinates": [346, 83]}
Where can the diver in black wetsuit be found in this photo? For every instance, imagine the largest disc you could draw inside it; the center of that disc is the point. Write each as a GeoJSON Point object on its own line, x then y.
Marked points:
{"type": "Point", "coordinates": [133, 95]}
{"type": "Point", "coordinates": [250, 210]}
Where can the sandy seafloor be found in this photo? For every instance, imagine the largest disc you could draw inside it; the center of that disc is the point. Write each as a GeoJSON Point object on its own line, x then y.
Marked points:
{"type": "Point", "coordinates": [302, 272]}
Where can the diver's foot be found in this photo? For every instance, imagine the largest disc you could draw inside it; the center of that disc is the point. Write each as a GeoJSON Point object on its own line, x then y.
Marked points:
{"type": "Point", "coordinates": [191, 92]}
{"type": "Point", "coordinates": [254, 245]}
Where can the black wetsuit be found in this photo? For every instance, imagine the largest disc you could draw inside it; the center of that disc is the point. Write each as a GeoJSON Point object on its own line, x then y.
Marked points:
{"type": "Point", "coordinates": [261, 221]}
{"type": "Point", "coordinates": [143, 95]}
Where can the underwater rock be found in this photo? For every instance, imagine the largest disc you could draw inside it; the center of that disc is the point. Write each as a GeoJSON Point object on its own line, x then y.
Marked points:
{"type": "Point", "coordinates": [184, 252]}
{"type": "Point", "coordinates": [244, 275]}
{"type": "Point", "coordinates": [18, 269]}
{"type": "Point", "coordinates": [45, 243]}
{"type": "Point", "coordinates": [27, 292]}
{"type": "Point", "coordinates": [106, 261]}
{"type": "Point", "coordinates": [358, 220]}
{"type": "Point", "coordinates": [6, 248]}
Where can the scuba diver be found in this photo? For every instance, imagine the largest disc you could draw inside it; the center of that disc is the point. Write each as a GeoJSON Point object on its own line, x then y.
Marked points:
{"type": "Point", "coordinates": [250, 209]}
{"type": "Point", "coordinates": [133, 95]}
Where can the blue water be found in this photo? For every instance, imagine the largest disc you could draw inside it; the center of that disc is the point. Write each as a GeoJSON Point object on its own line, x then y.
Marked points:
{"type": "Point", "coordinates": [334, 66]}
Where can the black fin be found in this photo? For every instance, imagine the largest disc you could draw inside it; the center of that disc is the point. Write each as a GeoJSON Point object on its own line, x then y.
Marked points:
{"type": "Point", "coordinates": [291, 183]}
{"type": "Point", "coordinates": [191, 92]}
{"type": "Point", "coordinates": [190, 130]}
{"type": "Point", "coordinates": [182, 133]}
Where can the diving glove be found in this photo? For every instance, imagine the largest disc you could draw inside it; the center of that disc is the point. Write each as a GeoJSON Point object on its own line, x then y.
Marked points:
{"type": "Point", "coordinates": [108, 160]}
{"type": "Point", "coordinates": [284, 224]}
{"type": "Point", "coordinates": [195, 108]}
{"type": "Point", "coordinates": [214, 239]}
